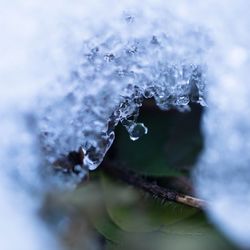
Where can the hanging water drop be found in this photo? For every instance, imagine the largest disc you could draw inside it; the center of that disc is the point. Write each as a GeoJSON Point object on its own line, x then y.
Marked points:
{"type": "Point", "coordinates": [137, 130]}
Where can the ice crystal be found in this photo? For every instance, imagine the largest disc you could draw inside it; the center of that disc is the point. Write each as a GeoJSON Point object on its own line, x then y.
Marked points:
{"type": "Point", "coordinates": [123, 72]}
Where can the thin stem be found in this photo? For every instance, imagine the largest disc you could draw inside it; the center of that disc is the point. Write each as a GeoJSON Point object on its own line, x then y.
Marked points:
{"type": "Point", "coordinates": [154, 189]}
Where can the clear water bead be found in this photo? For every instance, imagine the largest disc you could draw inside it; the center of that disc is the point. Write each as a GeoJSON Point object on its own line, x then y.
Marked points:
{"type": "Point", "coordinates": [137, 130]}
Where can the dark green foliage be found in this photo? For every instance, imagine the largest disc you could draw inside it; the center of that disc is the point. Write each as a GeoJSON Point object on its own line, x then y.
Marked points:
{"type": "Point", "coordinates": [169, 149]}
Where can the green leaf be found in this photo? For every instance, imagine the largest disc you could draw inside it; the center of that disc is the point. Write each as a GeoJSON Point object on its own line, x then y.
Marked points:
{"type": "Point", "coordinates": [141, 215]}
{"type": "Point", "coordinates": [145, 224]}
{"type": "Point", "coordinates": [108, 229]}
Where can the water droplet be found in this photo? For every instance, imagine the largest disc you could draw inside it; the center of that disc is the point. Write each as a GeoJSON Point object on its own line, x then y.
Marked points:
{"type": "Point", "coordinates": [137, 130]}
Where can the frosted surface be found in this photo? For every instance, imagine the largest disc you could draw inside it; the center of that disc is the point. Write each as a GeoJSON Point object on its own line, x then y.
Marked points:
{"type": "Point", "coordinates": [151, 64]}
{"type": "Point", "coordinates": [71, 71]}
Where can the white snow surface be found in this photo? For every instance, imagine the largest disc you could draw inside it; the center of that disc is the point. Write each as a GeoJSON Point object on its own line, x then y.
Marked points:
{"type": "Point", "coordinates": [70, 71]}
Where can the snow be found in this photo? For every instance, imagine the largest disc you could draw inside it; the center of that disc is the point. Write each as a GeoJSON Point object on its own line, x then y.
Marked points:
{"type": "Point", "coordinates": [70, 72]}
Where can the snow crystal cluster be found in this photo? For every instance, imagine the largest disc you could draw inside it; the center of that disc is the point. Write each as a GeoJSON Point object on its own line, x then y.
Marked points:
{"type": "Point", "coordinates": [109, 84]}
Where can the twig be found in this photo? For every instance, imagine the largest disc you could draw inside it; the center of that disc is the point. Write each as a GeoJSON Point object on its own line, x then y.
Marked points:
{"type": "Point", "coordinates": [155, 190]}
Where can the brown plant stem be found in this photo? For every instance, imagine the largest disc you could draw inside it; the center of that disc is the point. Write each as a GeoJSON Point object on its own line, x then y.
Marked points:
{"type": "Point", "coordinates": [150, 187]}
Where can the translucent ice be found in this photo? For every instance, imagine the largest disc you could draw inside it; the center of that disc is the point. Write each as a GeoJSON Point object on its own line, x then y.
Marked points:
{"type": "Point", "coordinates": [111, 78]}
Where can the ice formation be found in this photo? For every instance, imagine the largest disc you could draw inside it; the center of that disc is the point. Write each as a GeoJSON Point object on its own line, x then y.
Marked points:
{"type": "Point", "coordinates": [139, 66]}
{"type": "Point", "coordinates": [68, 79]}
